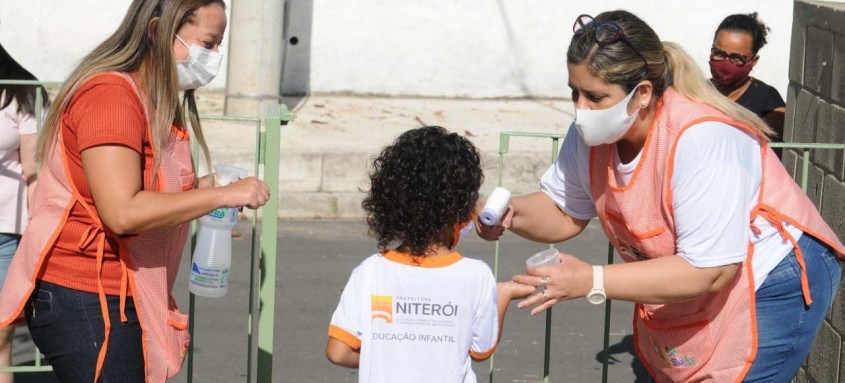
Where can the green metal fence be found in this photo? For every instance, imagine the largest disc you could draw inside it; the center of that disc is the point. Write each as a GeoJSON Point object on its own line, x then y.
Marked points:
{"type": "Point", "coordinates": [263, 250]}
{"type": "Point", "coordinates": [504, 148]}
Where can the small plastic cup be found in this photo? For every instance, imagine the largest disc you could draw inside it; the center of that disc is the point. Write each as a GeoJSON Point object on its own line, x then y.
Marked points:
{"type": "Point", "coordinates": [546, 257]}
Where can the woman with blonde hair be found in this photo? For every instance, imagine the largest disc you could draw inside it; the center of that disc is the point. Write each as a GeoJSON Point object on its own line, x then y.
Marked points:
{"type": "Point", "coordinates": [730, 265]}
{"type": "Point", "coordinates": [117, 189]}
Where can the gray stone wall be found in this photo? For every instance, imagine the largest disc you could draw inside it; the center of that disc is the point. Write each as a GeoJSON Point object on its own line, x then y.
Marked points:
{"type": "Point", "coordinates": [816, 113]}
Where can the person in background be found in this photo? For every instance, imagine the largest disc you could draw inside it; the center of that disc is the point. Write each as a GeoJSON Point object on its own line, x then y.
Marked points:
{"type": "Point", "coordinates": [419, 311]}
{"type": "Point", "coordinates": [17, 172]}
{"type": "Point", "coordinates": [735, 52]}
{"type": "Point", "coordinates": [116, 192]}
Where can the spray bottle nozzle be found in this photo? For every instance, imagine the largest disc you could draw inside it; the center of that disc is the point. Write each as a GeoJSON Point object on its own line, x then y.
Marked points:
{"type": "Point", "coordinates": [227, 174]}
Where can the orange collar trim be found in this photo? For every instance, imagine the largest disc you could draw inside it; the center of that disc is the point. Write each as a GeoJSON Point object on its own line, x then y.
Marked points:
{"type": "Point", "coordinates": [426, 262]}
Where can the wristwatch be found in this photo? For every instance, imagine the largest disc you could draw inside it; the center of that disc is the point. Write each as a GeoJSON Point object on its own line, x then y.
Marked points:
{"type": "Point", "coordinates": [596, 295]}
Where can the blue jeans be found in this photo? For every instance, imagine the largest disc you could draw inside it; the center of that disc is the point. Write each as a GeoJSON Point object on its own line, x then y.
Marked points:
{"type": "Point", "coordinates": [786, 327]}
{"type": "Point", "coordinates": [8, 246]}
{"type": "Point", "coordinates": [67, 326]}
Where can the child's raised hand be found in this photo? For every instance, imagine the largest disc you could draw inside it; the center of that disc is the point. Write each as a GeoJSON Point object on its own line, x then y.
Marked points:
{"type": "Point", "coordinates": [515, 290]}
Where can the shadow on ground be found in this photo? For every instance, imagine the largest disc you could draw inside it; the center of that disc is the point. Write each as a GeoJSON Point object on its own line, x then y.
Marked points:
{"type": "Point", "coordinates": [626, 347]}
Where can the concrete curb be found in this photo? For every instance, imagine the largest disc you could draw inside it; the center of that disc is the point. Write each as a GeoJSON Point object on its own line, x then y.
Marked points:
{"type": "Point", "coordinates": [331, 185]}
{"type": "Point", "coordinates": [326, 151]}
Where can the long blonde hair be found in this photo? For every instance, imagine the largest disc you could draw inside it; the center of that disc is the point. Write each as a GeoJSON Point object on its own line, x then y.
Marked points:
{"type": "Point", "coordinates": [668, 65]}
{"type": "Point", "coordinates": [132, 47]}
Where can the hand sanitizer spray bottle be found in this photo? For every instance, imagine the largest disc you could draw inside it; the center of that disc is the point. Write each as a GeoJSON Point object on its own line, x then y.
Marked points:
{"type": "Point", "coordinates": [213, 253]}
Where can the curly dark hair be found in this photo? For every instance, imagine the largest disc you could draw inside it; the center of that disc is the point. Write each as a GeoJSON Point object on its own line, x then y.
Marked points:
{"type": "Point", "coordinates": [421, 186]}
{"type": "Point", "coordinates": [746, 23]}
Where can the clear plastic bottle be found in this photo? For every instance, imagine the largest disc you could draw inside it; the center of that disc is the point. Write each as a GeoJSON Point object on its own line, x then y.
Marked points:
{"type": "Point", "coordinates": [213, 253]}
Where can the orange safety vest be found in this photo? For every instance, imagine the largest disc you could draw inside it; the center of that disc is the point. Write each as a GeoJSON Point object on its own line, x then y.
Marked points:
{"type": "Point", "coordinates": [150, 260]}
{"type": "Point", "coordinates": [711, 338]}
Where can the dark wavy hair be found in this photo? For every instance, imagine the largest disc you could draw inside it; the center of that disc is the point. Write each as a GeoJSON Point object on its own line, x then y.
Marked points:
{"type": "Point", "coordinates": [23, 94]}
{"type": "Point", "coordinates": [746, 23]}
{"type": "Point", "coordinates": [421, 186]}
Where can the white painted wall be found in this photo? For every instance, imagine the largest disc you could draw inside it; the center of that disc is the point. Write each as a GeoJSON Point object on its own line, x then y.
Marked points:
{"type": "Point", "coordinates": [49, 37]}
{"type": "Point", "coordinates": [452, 48]}
{"type": "Point", "coordinates": [494, 48]}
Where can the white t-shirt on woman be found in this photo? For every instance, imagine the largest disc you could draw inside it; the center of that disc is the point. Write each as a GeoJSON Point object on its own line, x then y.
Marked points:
{"type": "Point", "coordinates": [13, 203]}
{"type": "Point", "coordinates": [715, 184]}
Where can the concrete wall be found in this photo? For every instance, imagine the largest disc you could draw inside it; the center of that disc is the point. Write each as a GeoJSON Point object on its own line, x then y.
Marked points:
{"type": "Point", "coordinates": [452, 48]}
{"type": "Point", "coordinates": [49, 37]}
{"type": "Point", "coordinates": [500, 48]}
{"type": "Point", "coordinates": [816, 113]}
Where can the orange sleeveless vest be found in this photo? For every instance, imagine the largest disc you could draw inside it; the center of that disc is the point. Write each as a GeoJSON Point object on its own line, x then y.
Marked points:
{"type": "Point", "coordinates": [712, 338]}
{"type": "Point", "coordinates": [150, 260]}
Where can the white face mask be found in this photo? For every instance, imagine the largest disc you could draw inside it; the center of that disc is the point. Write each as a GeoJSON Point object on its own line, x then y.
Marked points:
{"type": "Point", "coordinates": [605, 126]}
{"type": "Point", "coordinates": [199, 69]}
{"type": "Point", "coordinates": [461, 233]}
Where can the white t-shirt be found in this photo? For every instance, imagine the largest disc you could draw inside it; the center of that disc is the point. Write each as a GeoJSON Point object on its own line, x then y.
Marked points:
{"type": "Point", "coordinates": [715, 184]}
{"type": "Point", "coordinates": [13, 204]}
{"type": "Point", "coordinates": [418, 323]}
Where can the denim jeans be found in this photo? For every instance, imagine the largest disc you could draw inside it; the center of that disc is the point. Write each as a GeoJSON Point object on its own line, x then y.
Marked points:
{"type": "Point", "coordinates": [8, 246]}
{"type": "Point", "coordinates": [67, 326]}
{"type": "Point", "coordinates": [786, 327]}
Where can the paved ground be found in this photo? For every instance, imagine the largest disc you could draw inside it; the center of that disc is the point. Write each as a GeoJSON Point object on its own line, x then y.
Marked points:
{"type": "Point", "coordinates": [315, 259]}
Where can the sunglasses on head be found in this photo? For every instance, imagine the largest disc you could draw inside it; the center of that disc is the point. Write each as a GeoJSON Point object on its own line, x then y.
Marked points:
{"type": "Point", "coordinates": [606, 33]}
{"type": "Point", "coordinates": [717, 54]}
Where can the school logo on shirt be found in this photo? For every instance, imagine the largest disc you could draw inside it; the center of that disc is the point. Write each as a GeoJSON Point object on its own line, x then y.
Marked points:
{"type": "Point", "coordinates": [382, 308]}
{"type": "Point", "coordinates": [414, 319]}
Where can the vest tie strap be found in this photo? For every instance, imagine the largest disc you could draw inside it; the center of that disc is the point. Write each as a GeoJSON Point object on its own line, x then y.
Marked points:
{"type": "Point", "coordinates": [96, 233]}
{"type": "Point", "coordinates": [776, 220]}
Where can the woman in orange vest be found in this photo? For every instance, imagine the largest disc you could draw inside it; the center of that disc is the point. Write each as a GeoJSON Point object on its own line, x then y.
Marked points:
{"type": "Point", "coordinates": [97, 262]}
{"type": "Point", "coordinates": [730, 265]}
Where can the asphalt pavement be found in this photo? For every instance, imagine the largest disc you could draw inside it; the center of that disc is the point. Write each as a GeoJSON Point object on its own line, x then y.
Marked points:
{"type": "Point", "coordinates": [314, 262]}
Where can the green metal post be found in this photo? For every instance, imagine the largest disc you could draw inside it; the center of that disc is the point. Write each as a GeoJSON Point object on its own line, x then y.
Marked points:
{"type": "Point", "coordinates": [38, 109]}
{"type": "Point", "coordinates": [191, 306]}
{"type": "Point", "coordinates": [504, 146]}
{"type": "Point", "coordinates": [255, 269]}
{"type": "Point", "coordinates": [547, 351]}
{"type": "Point", "coordinates": [805, 167]}
{"type": "Point", "coordinates": [191, 297]}
{"type": "Point", "coordinates": [278, 116]}
{"type": "Point", "coordinates": [503, 149]}
{"type": "Point", "coordinates": [607, 303]}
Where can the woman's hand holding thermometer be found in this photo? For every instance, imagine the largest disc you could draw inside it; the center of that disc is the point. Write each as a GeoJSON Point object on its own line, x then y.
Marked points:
{"type": "Point", "coordinates": [494, 215]}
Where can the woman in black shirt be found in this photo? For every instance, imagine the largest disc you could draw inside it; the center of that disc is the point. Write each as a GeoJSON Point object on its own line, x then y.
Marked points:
{"type": "Point", "coordinates": [734, 53]}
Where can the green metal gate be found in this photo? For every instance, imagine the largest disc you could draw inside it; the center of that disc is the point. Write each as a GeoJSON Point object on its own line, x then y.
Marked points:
{"type": "Point", "coordinates": [265, 228]}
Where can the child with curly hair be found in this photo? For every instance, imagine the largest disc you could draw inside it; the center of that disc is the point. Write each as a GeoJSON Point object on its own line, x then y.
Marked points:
{"type": "Point", "coordinates": [419, 298]}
